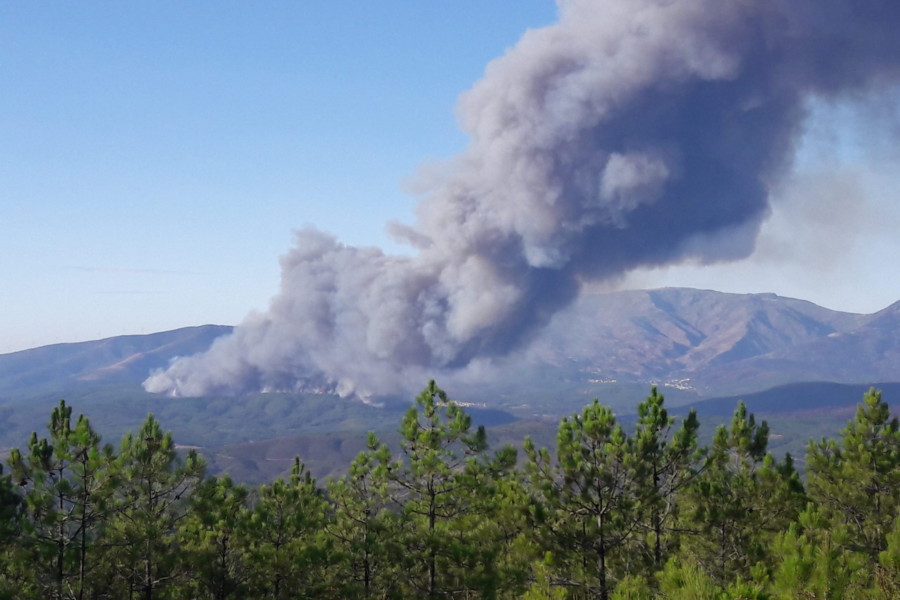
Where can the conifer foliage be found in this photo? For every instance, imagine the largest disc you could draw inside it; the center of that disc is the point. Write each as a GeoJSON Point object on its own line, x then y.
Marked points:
{"type": "Point", "coordinates": [608, 514]}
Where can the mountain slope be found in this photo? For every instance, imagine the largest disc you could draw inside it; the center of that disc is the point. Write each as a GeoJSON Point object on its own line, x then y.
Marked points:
{"type": "Point", "coordinates": [122, 359]}
{"type": "Point", "coordinates": [716, 340]}
{"type": "Point", "coordinates": [796, 399]}
{"type": "Point", "coordinates": [705, 343]}
{"type": "Point", "coordinates": [866, 351]}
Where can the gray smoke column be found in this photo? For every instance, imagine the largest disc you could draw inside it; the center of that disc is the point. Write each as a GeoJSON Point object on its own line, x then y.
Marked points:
{"type": "Point", "coordinates": [631, 133]}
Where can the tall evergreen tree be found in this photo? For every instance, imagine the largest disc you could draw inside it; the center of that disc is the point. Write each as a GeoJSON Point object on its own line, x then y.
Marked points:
{"type": "Point", "coordinates": [856, 480]}
{"type": "Point", "coordinates": [10, 502]}
{"type": "Point", "coordinates": [886, 583]}
{"type": "Point", "coordinates": [814, 561]}
{"type": "Point", "coordinates": [68, 482]}
{"type": "Point", "coordinates": [285, 539]}
{"type": "Point", "coordinates": [742, 498]}
{"type": "Point", "coordinates": [586, 500]}
{"type": "Point", "coordinates": [508, 512]}
{"type": "Point", "coordinates": [212, 541]}
{"type": "Point", "coordinates": [364, 530]}
{"type": "Point", "coordinates": [440, 486]}
{"type": "Point", "coordinates": [664, 463]}
{"type": "Point", "coordinates": [152, 498]}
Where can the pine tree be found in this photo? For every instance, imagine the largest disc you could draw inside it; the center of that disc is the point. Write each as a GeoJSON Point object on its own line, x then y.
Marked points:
{"type": "Point", "coordinates": [685, 580]}
{"type": "Point", "coordinates": [886, 583]}
{"type": "Point", "coordinates": [542, 587]}
{"type": "Point", "coordinates": [10, 504]}
{"type": "Point", "coordinates": [363, 529]}
{"type": "Point", "coordinates": [664, 463]}
{"type": "Point", "coordinates": [440, 487]}
{"type": "Point", "coordinates": [212, 540]}
{"type": "Point", "coordinates": [286, 539]}
{"type": "Point", "coordinates": [814, 562]}
{"type": "Point", "coordinates": [155, 484]}
{"type": "Point", "coordinates": [585, 502]}
{"type": "Point", "coordinates": [742, 498]}
{"type": "Point", "coordinates": [508, 509]}
{"type": "Point", "coordinates": [633, 587]}
{"type": "Point", "coordinates": [856, 481]}
{"type": "Point", "coordinates": [68, 481]}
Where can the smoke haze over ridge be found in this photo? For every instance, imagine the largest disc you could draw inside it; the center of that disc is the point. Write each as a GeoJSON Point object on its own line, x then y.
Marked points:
{"type": "Point", "coordinates": [632, 133]}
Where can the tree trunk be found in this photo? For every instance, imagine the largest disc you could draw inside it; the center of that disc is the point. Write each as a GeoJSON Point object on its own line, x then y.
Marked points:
{"type": "Point", "coordinates": [601, 561]}
{"type": "Point", "coordinates": [60, 547]}
{"type": "Point", "coordinates": [432, 559]}
{"type": "Point", "coordinates": [82, 552]}
{"type": "Point", "coordinates": [367, 574]}
{"type": "Point", "coordinates": [148, 573]}
{"type": "Point", "coordinates": [657, 521]}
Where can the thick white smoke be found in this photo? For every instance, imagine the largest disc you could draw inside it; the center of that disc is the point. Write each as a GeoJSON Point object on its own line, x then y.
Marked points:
{"type": "Point", "coordinates": [631, 133]}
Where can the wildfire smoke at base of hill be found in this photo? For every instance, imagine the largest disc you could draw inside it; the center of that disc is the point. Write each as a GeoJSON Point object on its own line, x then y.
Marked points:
{"type": "Point", "coordinates": [631, 133]}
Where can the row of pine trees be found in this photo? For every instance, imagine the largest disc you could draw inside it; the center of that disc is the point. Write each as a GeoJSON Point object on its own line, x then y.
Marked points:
{"type": "Point", "coordinates": [608, 514]}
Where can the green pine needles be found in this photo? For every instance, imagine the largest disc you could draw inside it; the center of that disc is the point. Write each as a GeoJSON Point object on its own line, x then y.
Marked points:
{"type": "Point", "coordinates": [611, 513]}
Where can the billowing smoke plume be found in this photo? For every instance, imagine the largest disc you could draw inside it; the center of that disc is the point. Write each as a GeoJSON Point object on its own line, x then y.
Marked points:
{"type": "Point", "coordinates": [631, 133]}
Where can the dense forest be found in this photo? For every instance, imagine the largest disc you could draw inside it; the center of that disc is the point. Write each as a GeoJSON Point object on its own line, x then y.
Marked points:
{"type": "Point", "coordinates": [608, 514]}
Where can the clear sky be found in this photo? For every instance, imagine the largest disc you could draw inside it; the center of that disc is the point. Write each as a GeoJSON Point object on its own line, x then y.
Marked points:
{"type": "Point", "coordinates": [156, 156]}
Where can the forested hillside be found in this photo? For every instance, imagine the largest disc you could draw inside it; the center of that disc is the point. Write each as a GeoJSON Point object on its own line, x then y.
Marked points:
{"type": "Point", "coordinates": [613, 514]}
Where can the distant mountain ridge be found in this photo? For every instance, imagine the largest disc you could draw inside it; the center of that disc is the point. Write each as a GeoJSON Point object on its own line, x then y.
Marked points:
{"type": "Point", "coordinates": [121, 359]}
{"type": "Point", "coordinates": [721, 342]}
{"type": "Point", "coordinates": [713, 343]}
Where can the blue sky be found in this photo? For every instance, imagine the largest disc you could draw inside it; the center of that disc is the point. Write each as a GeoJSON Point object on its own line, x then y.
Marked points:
{"type": "Point", "coordinates": [155, 158]}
